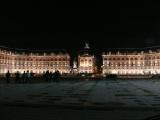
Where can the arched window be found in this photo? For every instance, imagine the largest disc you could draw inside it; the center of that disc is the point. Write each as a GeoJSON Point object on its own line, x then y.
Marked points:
{"type": "Point", "coordinates": [60, 59]}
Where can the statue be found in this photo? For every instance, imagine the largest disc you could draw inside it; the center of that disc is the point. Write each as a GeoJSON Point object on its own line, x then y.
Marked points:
{"type": "Point", "coordinates": [75, 69]}
{"type": "Point", "coordinates": [87, 46]}
{"type": "Point", "coordinates": [74, 65]}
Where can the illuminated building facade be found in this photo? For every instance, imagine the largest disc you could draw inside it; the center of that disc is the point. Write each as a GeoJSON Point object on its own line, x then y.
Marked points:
{"type": "Point", "coordinates": [131, 63]}
{"type": "Point", "coordinates": [36, 62]}
{"type": "Point", "coordinates": [121, 63]}
{"type": "Point", "coordinates": [86, 61]}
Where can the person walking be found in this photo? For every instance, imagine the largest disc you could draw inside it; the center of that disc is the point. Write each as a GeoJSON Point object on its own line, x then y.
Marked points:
{"type": "Point", "coordinates": [47, 76]}
{"type": "Point", "coordinates": [17, 77]}
{"type": "Point", "coordinates": [8, 75]}
{"type": "Point", "coordinates": [56, 76]}
{"type": "Point", "coordinates": [24, 77]}
{"type": "Point", "coordinates": [28, 76]}
{"type": "Point", "coordinates": [31, 76]}
{"type": "Point", "coordinates": [50, 76]}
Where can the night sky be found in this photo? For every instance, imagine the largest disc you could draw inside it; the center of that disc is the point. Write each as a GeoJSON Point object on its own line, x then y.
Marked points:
{"type": "Point", "coordinates": [67, 25]}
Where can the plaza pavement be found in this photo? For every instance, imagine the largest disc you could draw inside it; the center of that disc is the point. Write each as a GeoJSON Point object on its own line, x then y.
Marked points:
{"type": "Point", "coordinates": [86, 99]}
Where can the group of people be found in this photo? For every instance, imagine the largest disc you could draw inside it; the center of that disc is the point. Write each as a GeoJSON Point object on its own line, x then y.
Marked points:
{"type": "Point", "coordinates": [49, 76]}
{"type": "Point", "coordinates": [28, 77]}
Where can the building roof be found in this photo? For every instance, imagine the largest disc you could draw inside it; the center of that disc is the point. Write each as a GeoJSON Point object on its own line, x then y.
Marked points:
{"type": "Point", "coordinates": [35, 51]}
{"type": "Point", "coordinates": [85, 55]}
{"type": "Point", "coordinates": [133, 50]}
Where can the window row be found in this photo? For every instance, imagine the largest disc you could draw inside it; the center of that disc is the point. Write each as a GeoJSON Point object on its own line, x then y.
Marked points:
{"type": "Point", "coordinates": [123, 58]}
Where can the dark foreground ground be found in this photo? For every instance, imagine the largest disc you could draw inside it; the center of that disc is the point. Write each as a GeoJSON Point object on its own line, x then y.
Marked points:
{"type": "Point", "coordinates": [81, 100]}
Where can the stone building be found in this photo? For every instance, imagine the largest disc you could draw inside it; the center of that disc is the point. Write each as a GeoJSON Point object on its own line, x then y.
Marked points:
{"type": "Point", "coordinates": [37, 62]}
{"type": "Point", "coordinates": [86, 61]}
{"type": "Point", "coordinates": [131, 63]}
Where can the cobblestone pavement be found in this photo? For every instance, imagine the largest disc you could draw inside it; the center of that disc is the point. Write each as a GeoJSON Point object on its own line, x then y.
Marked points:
{"type": "Point", "coordinates": [96, 100]}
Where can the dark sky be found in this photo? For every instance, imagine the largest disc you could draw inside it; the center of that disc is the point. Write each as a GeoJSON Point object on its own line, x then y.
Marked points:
{"type": "Point", "coordinates": [68, 25]}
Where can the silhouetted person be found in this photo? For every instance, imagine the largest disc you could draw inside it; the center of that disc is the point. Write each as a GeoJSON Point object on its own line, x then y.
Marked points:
{"type": "Point", "coordinates": [32, 76]}
{"type": "Point", "coordinates": [59, 75]}
{"type": "Point", "coordinates": [28, 76]}
{"type": "Point", "coordinates": [44, 76]}
{"type": "Point", "coordinates": [47, 75]}
{"type": "Point", "coordinates": [24, 77]}
{"type": "Point", "coordinates": [8, 75]}
{"type": "Point", "coordinates": [17, 80]}
{"type": "Point", "coordinates": [50, 76]}
{"type": "Point", "coordinates": [56, 76]}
